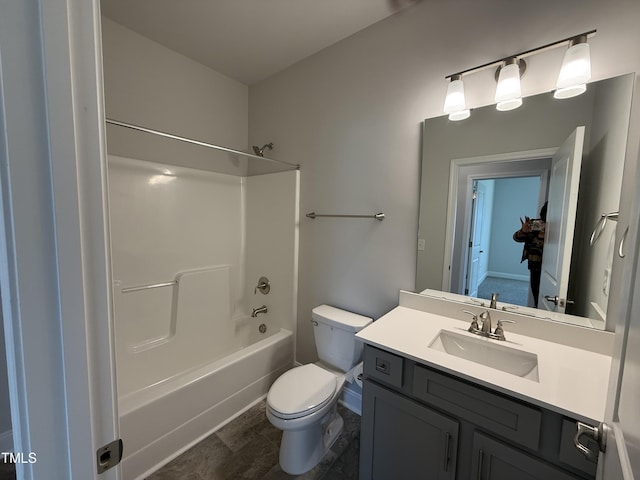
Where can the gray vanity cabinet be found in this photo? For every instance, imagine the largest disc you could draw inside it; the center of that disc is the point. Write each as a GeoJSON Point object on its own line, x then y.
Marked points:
{"type": "Point", "coordinates": [493, 460]}
{"type": "Point", "coordinates": [420, 423]}
{"type": "Point", "coordinates": [405, 440]}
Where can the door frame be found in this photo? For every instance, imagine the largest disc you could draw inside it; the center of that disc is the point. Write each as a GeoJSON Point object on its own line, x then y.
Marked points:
{"type": "Point", "coordinates": [456, 178]}
{"type": "Point", "coordinates": [55, 273]}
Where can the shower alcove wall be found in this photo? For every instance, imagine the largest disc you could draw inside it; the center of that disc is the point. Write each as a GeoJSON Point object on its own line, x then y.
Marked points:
{"type": "Point", "coordinates": [189, 355]}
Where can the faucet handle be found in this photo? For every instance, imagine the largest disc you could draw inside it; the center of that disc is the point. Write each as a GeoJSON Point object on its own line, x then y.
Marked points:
{"type": "Point", "coordinates": [506, 308]}
{"type": "Point", "coordinates": [473, 314]}
{"type": "Point", "coordinates": [499, 331]}
{"type": "Point", "coordinates": [263, 285]}
{"type": "Point", "coordinates": [474, 322]}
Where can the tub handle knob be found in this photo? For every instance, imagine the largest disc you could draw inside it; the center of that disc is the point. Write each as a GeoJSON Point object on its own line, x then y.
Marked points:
{"type": "Point", "coordinates": [263, 285]}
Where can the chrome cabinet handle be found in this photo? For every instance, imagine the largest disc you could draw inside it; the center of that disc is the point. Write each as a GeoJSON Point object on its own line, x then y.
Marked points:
{"type": "Point", "coordinates": [382, 366]}
{"type": "Point", "coordinates": [551, 299]}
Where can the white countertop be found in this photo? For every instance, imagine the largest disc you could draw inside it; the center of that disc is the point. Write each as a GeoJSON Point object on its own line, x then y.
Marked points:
{"type": "Point", "coordinates": [572, 381]}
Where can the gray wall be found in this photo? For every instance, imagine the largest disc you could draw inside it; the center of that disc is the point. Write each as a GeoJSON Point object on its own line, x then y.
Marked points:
{"type": "Point", "coordinates": [149, 85]}
{"type": "Point", "coordinates": [600, 184]}
{"type": "Point", "coordinates": [351, 116]}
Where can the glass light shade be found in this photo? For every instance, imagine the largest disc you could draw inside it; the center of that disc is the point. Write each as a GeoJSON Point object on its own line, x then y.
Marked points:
{"type": "Point", "coordinates": [575, 71]}
{"type": "Point", "coordinates": [459, 115]}
{"type": "Point", "coordinates": [576, 66]}
{"type": "Point", "coordinates": [508, 92]}
{"type": "Point", "coordinates": [454, 101]}
{"type": "Point", "coordinates": [569, 92]}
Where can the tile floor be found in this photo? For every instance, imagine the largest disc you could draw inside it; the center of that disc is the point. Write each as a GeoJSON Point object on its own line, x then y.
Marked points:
{"type": "Point", "coordinates": [247, 448]}
{"type": "Point", "coordinates": [7, 471]}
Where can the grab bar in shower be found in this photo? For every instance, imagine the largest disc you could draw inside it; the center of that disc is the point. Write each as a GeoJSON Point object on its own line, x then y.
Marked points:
{"type": "Point", "coordinates": [148, 287]}
{"type": "Point", "coordinates": [377, 216]}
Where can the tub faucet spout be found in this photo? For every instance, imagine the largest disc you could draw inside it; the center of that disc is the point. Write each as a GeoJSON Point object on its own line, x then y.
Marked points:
{"type": "Point", "coordinates": [256, 311]}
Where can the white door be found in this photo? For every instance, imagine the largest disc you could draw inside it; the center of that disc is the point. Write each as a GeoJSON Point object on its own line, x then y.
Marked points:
{"type": "Point", "coordinates": [476, 249]}
{"type": "Point", "coordinates": [561, 219]}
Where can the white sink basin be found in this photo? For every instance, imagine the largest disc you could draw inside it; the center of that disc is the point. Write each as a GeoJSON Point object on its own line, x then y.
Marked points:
{"type": "Point", "coordinates": [488, 352]}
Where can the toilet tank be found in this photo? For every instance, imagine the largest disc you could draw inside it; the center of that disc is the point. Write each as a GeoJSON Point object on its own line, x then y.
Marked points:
{"type": "Point", "coordinates": [334, 331]}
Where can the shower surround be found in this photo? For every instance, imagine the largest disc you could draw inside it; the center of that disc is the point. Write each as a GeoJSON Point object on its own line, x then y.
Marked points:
{"type": "Point", "coordinates": [188, 248]}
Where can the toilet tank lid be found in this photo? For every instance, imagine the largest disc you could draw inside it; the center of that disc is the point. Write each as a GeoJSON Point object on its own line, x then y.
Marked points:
{"type": "Point", "coordinates": [340, 318]}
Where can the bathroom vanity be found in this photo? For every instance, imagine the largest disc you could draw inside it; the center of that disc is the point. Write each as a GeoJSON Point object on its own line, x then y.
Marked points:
{"type": "Point", "coordinates": [429, 413]}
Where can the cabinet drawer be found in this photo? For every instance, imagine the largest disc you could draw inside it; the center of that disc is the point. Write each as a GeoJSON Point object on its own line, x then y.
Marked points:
{"type": "Point", "coordinates": [383, 366]}
{"type": "Point", "coordinates": [505, 417]}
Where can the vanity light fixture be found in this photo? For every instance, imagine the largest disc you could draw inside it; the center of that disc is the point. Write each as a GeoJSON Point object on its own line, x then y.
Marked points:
{"type": "Point", "coordinates": [508, 92]}
{"type": "Point", "coordinates": [454, 102]}
{"type": "Point", "coordinates": [576, 69]}
{"type": "Point", "coordinates": [572, 80]}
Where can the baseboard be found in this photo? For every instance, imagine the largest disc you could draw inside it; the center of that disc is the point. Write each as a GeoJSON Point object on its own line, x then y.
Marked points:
{"type": "Point", "coordinates": [352, 399]}
{"type": "Point", "coordinates": [6, 441]}
{"type": "Point", "coordinates": [509, 276]}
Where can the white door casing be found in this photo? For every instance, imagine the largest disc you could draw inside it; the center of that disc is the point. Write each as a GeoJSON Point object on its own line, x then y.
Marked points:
{"type": "Point", "coordinates": [476, 248]}
{"type": "Point", "coordinates": [461, 175]}
{"type": "Point", "coordinates": [55, 270]}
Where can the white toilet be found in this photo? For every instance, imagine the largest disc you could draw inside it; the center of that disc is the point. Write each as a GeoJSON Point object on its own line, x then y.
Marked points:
{"type": "Point", "coordinates": [302, 402]}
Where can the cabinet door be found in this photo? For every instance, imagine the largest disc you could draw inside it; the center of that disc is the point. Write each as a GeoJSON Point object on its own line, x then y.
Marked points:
{"type": "Point", "coordinates": [403, 439]}
{"type": "Point", "coordinates": [493, 460]}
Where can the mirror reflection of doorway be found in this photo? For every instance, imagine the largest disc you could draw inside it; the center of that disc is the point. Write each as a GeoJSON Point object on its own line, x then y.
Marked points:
{"type": "Point", "coordinates": [493, 259]}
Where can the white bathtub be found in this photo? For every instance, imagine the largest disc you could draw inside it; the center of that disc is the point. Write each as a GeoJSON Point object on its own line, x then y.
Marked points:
{"type": "Point", "coordinates": [159, 422]}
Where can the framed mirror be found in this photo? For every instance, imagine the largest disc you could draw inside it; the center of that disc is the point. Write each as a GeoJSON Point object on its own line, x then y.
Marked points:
{"type": "Point", "coordinates": [482, 175]}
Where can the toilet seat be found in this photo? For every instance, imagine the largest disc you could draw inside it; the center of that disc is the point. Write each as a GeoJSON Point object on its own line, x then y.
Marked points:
{"type": "Point", "coordinates": [301, 391]}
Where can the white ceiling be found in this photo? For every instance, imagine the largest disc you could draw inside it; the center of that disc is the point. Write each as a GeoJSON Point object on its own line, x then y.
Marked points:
{"type": "Point", "coordinates": [248, 40]}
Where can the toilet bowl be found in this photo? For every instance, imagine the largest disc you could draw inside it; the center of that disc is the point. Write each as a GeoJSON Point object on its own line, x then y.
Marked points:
{"type": "Point", "coordinates": [302, 402]}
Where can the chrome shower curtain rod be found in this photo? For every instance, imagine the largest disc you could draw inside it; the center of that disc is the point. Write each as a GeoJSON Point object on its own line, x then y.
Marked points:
{"type": "Point", "coordinates": [196, 142]}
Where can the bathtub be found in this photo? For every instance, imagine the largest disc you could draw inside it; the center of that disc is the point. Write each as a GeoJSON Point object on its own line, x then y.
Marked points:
{"type": "Point", "coordinates": [161, 421]}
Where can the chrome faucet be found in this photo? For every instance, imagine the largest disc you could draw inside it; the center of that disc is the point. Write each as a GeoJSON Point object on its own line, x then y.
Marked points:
{"type": "Point", "coordinates": [494, 300]}
{"type": "Point", "coordinates": [256, 311]}
{"type": "Point", "coordinates": [486, 321]}
{"type": "Point", "coordinates": [485, 329]}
